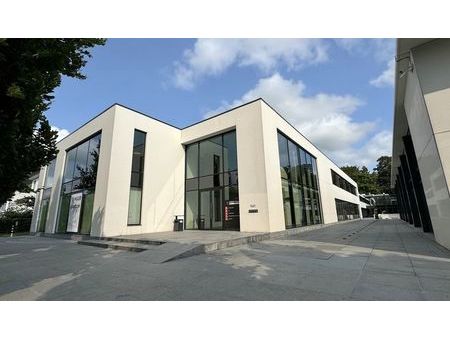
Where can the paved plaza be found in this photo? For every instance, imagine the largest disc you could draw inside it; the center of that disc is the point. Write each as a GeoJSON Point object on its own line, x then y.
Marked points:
{"type": "Point", "coordinates": [361, 260]}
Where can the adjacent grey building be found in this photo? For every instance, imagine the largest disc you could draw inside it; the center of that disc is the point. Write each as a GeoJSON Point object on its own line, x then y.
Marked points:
{"type": "Point", "coordinates": [421, 140]}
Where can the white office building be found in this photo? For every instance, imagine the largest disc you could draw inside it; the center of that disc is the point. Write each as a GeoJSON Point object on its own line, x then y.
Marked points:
{"type": "Point", "coordinates": [246, 169]}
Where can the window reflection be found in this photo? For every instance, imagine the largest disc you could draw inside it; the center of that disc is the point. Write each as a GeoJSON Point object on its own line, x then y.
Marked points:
{"type": "Point", "coordinates": [299, 181]}
{"type": "Point", "coordinates": [80, 175]}
{"type": "Point", "coordinates": [212, 197]}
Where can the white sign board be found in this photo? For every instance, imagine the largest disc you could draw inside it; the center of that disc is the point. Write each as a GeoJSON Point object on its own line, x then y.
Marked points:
{"type": "Point", "coordinates": [74, 212]}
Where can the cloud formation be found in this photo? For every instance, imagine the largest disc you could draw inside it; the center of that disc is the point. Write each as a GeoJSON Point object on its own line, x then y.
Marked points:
{"type": "Point", "coordinates": [212, 57]}
{"type": "Point", "coordinates": [386, 78]}
{"type": "Point", "coordinates": [325, 119]}
{"type": "Point", "coordinates": [61, 133]}
{"type": "Point", "coordinates": [381, 50]}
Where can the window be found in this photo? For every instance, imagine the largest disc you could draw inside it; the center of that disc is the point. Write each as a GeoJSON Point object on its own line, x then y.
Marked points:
{"type": "Point", "coordinates": [211, 188]}
{"type": "Point", "coordinates": [80, 176]}
{"type": "Point", "coordinates": [342, 183]}
{"type": "Point", "coordinates": [346, 210]}
{"type": "Point", "coordinates": [45, 201]}
{"type": "Point", "coordinates": [137, 178]}
{"type": "Point", "coordinates": [299, 182]}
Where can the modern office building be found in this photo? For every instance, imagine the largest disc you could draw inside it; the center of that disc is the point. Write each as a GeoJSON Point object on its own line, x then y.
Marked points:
{"type": "Point", "coordinates": [246, 169]}
{"type": "Point", "coordinates": [421, 144]}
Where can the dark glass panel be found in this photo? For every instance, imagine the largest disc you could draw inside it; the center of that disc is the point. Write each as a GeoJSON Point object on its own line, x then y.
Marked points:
{"type": "Point", "coordinates": [210, 156]}
{"type": "Point", "coordinates": [81, 159]}
{"type": "Point", "coordinates": [70, 165]}
{"type": "Point", "coordinates": [63, 213]}
{"type": "Point", "coordinates": [287, 203]}
{"type": "Point", "coordinates": [67, 188]}
{"type": "Point", "coordinates": [298, 203]}
{"type": "Point", "coordinates": [229, 151]}
{"type": "Point", "coordinates": [191, 221]}
{"type": "Point", "coordinates": [303, 167]}
{"type": "Point", "coordinates": [294, 163]}
{"type": "Point", "coordinates": [76, 185]}
{"type": "Point", "coordinates": [192, 160]}
{"type": "Point", "coordinates": [43, 215]}
{"type": "Point", "coordinates": [210, 181]}
{"type": "Point", "coordinates": [136, 180]}
{"type": "Point", "coordinates": [139, 138]}
{"type": "Point", "coordinates": [86, 215]}
{"type": "Point", "coordinates": [284, 157]}
{"type": "Point", "coordinates": [307, 205]}
{"type": "Point", "coordinates": [192, 184]}
{"type": "Point", "coordinates": [50, 174]}
{"type": "Point", "coordinates": [231, 193]}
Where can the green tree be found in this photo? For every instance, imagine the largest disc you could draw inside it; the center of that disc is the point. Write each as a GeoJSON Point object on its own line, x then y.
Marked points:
{"type": "Point", "coordinates": [30, 69]}
{"type": "Point", "coordinates": [383, 170]}
{"type": "Point", "coordinates": [367, 181]}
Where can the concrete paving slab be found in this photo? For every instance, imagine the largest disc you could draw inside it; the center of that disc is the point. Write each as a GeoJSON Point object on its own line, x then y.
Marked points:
{"type": "Point", "coordinates": [377, 260]}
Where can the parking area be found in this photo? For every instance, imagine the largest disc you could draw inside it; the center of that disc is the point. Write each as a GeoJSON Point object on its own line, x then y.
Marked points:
{"type": "Point", "coordinates": [361, 260]}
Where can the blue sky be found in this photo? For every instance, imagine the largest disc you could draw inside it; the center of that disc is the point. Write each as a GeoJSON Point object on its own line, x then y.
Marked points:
{"type": "Point", "coordinates": [338, 93]}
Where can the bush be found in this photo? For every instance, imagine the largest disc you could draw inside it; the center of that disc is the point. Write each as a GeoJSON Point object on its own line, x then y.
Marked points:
{"type": "Point", "coordinates": [9, 218]}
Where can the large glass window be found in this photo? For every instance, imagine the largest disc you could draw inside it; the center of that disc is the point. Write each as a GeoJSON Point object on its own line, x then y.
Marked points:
{"type": "Point", "coordinates": [212, 194]}
{"type": "Point", "coordinates": [346, 210]}
{"type": "Point", "coordinates": [137, 178]}
{"type": "Point", "coordinates": [299, 182]}
{"type": "Point", "coordinates": [80, 178]}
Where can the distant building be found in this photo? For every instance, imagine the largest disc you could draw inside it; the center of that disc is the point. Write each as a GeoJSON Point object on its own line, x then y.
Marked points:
{"type": "Point", "coordinates": [374, 204]}
{"type": "Point", "coordinates": [421, 140]}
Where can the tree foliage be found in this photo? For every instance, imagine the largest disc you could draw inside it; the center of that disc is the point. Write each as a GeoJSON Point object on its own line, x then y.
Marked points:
{"type": "Point", "coordinates": [375, 182]}
{"type": "Point", "coordinates": [367, 181]}
{"type": "Point", "coordinates": [383, 170]}
{"type": "Point", "coordinates": [30, 69]}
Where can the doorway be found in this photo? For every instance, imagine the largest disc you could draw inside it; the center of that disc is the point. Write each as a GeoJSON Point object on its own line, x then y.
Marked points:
{"type": "Point", "coordinates": [211, 202]}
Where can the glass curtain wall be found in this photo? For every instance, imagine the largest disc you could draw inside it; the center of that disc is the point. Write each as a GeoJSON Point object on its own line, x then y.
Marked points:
{"type": "Point", "coordinates": [137, 178]}
{"type": "Point", "coordinates": [346, 210]}
{"type": "Point", "coordinates": [80, 177]}
{"type": "Point", "coordinates": [212, 194]}
{"type": "Point", "coordinates": [45, 201]}
{"type": "Point", "coordinates": [299, 183]}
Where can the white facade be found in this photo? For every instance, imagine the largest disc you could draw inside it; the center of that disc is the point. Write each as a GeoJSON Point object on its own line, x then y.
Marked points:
{"type": "Point", "coordinates": [422, 113]}
{"type": "Point", "coordinates": [163, 191]}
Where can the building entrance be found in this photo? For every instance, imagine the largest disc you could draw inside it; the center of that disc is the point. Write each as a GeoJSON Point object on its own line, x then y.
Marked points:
{"type": "Point", "coordinates": [211, 205]}
{"type": "Point", "coordinates": [211, 189]}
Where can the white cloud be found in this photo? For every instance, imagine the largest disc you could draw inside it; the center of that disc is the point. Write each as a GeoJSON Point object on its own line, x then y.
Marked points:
{"type": "Point", "coordinates": [325, 119]}
{"type": "Point", "coordinates": [387, 78]}
{"type": "Point", "coordinates": [381, 50]}
{"type": "Point", "coordinates": [61, 133]}
{"type": "Point", "coordinates": [211, 57]}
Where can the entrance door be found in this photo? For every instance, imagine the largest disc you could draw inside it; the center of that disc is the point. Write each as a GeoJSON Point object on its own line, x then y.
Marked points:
{"type": "Point", "coordinates": [211, 203]}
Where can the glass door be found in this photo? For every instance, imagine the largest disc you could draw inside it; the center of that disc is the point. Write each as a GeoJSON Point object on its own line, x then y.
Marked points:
{"type": "Point", "coordinates": [211, 205]}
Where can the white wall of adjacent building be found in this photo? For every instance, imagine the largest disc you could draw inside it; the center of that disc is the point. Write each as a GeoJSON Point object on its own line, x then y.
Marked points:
{"type": "Point", "coordinates": [427, 109]}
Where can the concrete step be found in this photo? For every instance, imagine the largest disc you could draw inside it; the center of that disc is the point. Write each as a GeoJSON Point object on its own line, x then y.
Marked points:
{"type": "Point", "coordinates": [132, 240]}
{"type": "Point", "coordinates": [116, 245]}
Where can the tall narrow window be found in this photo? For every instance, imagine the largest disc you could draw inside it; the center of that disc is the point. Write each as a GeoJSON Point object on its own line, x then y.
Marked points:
{"type": "Point", "coordinates": [137, 178]}
{"type": "Point", "coordinates": [299, 184]}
